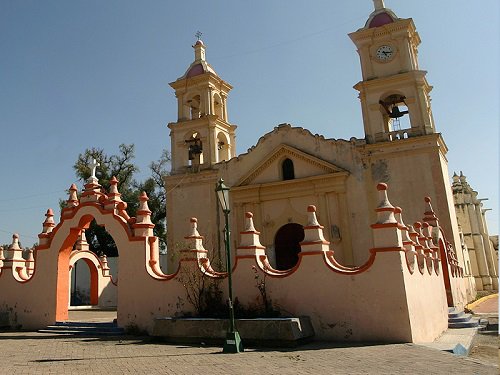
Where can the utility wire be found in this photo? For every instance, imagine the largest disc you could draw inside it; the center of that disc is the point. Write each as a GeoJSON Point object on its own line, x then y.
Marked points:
{"type": "Point", "coordinates": [20, 234]}
{"type": "Point", "coordinates": [288, 41]}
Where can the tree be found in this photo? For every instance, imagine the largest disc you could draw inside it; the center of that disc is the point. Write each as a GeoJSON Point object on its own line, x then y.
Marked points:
{"type": "Point", "coordinates": [154, 187]}
{"type": "Point", "coordinates": [122, 167]}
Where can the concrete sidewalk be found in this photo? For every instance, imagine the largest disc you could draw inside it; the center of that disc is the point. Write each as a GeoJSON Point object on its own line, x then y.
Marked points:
{"type": "Point", "coordinates": [35, 353]}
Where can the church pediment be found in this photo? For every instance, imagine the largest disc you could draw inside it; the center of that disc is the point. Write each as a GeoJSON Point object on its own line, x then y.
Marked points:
{"type": "Point", "coordinates": [304, 166]}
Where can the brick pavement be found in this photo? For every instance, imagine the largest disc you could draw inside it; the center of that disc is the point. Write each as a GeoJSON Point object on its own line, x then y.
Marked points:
{"type": "Point", "coordinates": [36, 353]}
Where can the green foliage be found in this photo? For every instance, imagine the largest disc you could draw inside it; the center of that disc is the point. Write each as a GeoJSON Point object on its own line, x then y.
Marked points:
{"type": "Point", "coordinates": [121, 165]}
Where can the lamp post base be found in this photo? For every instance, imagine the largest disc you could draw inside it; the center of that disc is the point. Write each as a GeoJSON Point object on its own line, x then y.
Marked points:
{"type": "Point", "coordinates": [233, 343]}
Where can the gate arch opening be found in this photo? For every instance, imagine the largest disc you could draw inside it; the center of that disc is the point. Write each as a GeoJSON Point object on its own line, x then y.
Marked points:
{"type": "Point", "coordinates": [84, 283]}
{"type": "Point", "coordinates": [75, 250]}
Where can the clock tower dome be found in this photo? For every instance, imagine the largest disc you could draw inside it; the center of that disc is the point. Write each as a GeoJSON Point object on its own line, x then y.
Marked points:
{"type": "Point", "coordinates": [394, 92]}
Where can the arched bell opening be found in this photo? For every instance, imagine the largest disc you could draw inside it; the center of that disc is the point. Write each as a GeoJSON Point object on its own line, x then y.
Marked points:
{"type": "Point", "coordinates": [287, 245]}
{"type": "Point", "coordinates": [396, 116]}
{"type": "Point", "coordinates": [218, 107]}
{"type": "Point", "coordinates": [194, 149]}
{"type": "Point", "coordinates": [222, 147]}
{"type": "Point", "coordinates": [192, 107]}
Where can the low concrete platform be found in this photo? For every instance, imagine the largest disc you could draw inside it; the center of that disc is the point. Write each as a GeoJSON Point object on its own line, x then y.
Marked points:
{"type": "Point", "coordinates": [457, 341]}
{"type": "Point", "coordinates": [260, 332]}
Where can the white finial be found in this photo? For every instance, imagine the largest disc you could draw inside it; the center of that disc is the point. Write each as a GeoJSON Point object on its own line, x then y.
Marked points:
{"type": "Point", "coordinates": [379, 4]}
{"type": "Point", "coordinates": [93, 166]}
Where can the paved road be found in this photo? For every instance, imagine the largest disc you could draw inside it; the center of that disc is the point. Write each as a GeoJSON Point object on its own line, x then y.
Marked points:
{"type": "Point", "coordinates": [36, 353]}
{"type": "Point", "coordinates": [487, 306]}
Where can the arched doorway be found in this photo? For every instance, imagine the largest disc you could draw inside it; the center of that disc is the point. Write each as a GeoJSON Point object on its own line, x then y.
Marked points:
{"type": "Point", "coordinates": [84, 283]}
{"type": "Point", "coordinates": [287, 245]}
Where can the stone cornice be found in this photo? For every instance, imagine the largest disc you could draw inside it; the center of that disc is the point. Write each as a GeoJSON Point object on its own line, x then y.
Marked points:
{"type": "Point", "coordinates": [382, 31]}
{"type": "Point", "coordinates": [201, 79]}
{"type": "Point", "coordinates": [406, 145]}
{"type": "Point", "coordinates": [331, 182]}
{"type": "Point", "coordinates": [206, 120]}
{"type": "Point", "coordinates": [188, 177]}
{"type": "Point", "coordinates": [396, 79]}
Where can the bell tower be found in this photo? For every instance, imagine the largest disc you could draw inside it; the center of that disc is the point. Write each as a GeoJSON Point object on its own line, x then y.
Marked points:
{"type": "Point", "coordinates": [394, 92]}
{"type": "Point", "coordinates": [202, 135]}
{"type": "Point", "coordinates": [402, 146]}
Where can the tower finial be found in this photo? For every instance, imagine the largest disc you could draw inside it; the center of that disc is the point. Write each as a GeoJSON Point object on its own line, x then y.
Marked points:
{"type": "Point", "coordinates": [199, 48]}
{"type": "Point", "coordinates": [379, 4]}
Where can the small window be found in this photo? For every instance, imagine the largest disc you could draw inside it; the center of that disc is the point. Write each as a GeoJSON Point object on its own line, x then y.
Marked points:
{"type": "Point", "coordinates": [287, 169]}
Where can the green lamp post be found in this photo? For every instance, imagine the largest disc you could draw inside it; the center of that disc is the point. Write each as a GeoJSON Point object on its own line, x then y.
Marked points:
{"type": "Point", "coordinates": [233, 342]}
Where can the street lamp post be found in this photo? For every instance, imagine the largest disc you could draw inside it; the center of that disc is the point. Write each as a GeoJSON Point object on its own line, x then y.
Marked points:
{"type": "Point", "coordinates": [233, 342]}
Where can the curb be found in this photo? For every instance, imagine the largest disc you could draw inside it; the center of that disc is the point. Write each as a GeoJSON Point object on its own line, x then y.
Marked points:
{"type": "Point", "coordinates": [474, 304]}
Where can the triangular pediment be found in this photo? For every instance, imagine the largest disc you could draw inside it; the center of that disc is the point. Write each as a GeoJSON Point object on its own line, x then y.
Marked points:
{"type": "Point", "coordinates": [305, 165]}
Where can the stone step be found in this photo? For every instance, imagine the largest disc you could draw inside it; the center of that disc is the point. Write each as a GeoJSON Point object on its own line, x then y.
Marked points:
{"type": "Point", "coordinates": [472, 323]}
{"type": "Point", "coordinates": [461, 318]}
{"type": "Point", "coordinates": [455, 314]}
{"type": "Point", "coordinates": [86, 324]}
{"type": "Point", "coordinates": [79, 332]}
{"type": "Point", "coordinates": [84, 328]}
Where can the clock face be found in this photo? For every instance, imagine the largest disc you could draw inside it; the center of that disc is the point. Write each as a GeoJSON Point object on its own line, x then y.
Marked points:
{"type": "Point", "coordinates": [384, 53]}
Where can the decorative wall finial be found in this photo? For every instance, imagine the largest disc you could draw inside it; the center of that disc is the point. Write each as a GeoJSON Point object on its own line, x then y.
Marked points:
{"type": "Point", "coordinates": [312, 220]}
{"type": "Point", "coordinates": [198, 35]}
{"type": "Point", "coordinates": [73, 197]}
{"type": "Point", "coordinates": [249, 226]}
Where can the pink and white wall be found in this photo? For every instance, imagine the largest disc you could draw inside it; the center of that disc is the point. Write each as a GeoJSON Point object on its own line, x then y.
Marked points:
{"type": "Point", "coordinates": [401, 294]}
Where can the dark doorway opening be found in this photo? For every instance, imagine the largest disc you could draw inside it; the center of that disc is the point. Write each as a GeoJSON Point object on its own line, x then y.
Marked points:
{"type": "Point", "coordinates": [287, 245]}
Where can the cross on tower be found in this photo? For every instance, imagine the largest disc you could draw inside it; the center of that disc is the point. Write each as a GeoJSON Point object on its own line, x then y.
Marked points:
{"type": "Point", "coordinates": [93, 167]}
{"type": "Point", "coordinates": [379, 4]}
{"type": "Point", "coordinates": [198, 34]}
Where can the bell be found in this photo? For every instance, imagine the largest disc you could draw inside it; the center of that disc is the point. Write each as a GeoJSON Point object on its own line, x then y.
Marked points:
{"type": "Point", "coordinates": [396, 113]}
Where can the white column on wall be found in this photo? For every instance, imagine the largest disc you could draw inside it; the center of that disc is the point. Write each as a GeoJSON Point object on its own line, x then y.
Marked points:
{"type": "Point", "coordinates": [490, 260]}
{"type": "Point", "coordinates": [224, 107]}
{"type": "Point", "coordinates": [477, 240]}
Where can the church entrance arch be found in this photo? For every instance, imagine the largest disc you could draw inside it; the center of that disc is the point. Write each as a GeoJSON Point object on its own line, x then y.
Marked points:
{"type": "Point", "coordinates": [287, 245]}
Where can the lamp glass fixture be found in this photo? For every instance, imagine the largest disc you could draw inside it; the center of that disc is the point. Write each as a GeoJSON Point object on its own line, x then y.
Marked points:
{"type": "Point", "coordinates": [223, 195]}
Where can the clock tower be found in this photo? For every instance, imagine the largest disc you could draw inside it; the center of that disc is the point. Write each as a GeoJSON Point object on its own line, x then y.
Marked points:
{"type": "Point", "coordinates": [402, 146]}
{"type": "Point", "coordinates": [394, 92]}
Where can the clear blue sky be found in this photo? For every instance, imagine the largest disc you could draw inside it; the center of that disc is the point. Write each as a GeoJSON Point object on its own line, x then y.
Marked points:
{"type": "Point", "coordinates": [94, 73]}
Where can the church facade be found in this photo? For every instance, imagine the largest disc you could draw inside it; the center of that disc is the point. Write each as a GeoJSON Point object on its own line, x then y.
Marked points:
{"type": "Point", "coordinates": [290, 168]}
{"type": "Point", "coordinates": [320, 225]}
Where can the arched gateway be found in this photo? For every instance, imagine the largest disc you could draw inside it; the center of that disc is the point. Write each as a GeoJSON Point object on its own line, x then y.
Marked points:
{"type": "Point", "coordinates": [57, 242]}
